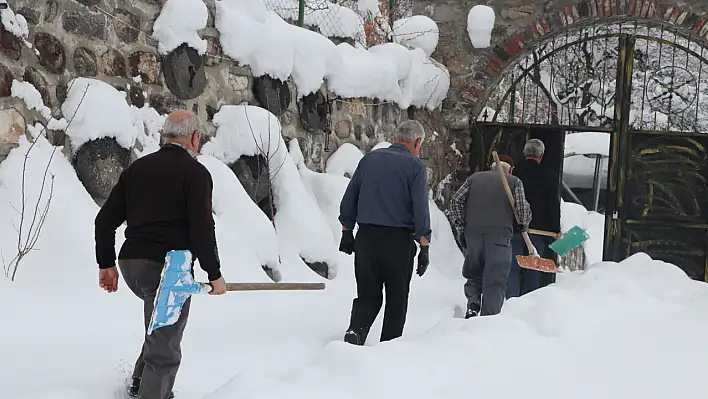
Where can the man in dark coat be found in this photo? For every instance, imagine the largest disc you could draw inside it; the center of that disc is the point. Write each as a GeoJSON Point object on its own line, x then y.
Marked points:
{"type": "Point", "coordinates": [388, 198]}
{"type": "Point", "coordinates": [165, 198]}
{"type": "Point", "coordinates": [542, 193]}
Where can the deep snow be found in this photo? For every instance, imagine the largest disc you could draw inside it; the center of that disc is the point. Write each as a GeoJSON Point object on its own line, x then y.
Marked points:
{"type": "Point", "coordinates": [635, 329]}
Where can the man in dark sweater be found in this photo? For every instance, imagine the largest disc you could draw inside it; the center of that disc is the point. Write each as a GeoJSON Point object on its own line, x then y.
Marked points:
{"type": "Point", "coordinates": [542, 193]}
{"type": "Point", "coordinates": [388, 198]}
{"type": "Point", "coordinates": [165, 198]}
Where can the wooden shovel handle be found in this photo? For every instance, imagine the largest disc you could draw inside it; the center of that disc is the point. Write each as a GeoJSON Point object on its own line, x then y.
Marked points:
{"type": "Point", "coordinates": [510, 196]}
{"type": "Point", "coordinates": [543, 233]}
{"type": "Point", "coordinates": [274, 286]}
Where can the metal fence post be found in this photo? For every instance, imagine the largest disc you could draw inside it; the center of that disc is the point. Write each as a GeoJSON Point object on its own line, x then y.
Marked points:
{"type": "Point", "coordinates": [301, 13]}
{"type": "Point", "coordinates": [391, 7]}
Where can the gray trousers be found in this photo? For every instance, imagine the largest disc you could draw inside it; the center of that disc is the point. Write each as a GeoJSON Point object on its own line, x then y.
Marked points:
{"type": "Point", "coordinates": [486, 269]}
{"type": "Point", "coordinates": [161, 354]}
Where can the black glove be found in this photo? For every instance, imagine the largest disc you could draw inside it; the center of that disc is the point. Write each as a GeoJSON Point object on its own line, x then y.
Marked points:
{"type": "Point", "coordinates": [423, 260]}
{"type": "Point", "coordinates": [346, 244]}
{"type": "Point", "coordinates": [520, 227]}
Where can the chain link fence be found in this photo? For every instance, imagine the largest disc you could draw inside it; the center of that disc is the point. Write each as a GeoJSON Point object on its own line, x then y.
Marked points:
{"type": "Point", "coordinates": [364, 21]}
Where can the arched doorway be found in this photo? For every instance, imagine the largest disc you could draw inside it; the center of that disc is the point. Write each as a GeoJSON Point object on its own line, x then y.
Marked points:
{"type": "Point", "coordinates": [643, 85]}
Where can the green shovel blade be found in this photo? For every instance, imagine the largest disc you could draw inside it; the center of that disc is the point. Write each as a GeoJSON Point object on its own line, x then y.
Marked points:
{"type": "Point", "coordinates": [570, 240]}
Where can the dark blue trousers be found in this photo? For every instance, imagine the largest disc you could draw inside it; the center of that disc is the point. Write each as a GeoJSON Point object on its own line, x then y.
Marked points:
{"type": "Point", "coordinates": [522, 281]}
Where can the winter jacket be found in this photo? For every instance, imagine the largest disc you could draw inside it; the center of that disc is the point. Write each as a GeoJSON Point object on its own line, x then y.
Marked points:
{"type": "Point", "coordinates": [481, 205]}
{"type": "Point", "coordinates": [541, 186]}
{"type": "Point", "coordinates": [389, 188]}
{"type": "Point", "coordinates": [165, 198]}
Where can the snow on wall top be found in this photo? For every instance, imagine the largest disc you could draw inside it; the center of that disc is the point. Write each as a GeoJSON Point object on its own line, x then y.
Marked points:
{"type": "Point", "coordinates": [388, 72]}
{"type": "Point", "coordinates": [179, 22]}
{"type": "Point", "coordinates": [417, 31]}
{"type": "Point", "coordinates": [13, 23]}
{"type": "Point", "coordinates": [29, 94]}
{"type": "Point", "coordinates": [480, 22]}
{"type": "Point", "coordinates": [96, 109]}
{"type": "Point", "coordinates": [247, 130]}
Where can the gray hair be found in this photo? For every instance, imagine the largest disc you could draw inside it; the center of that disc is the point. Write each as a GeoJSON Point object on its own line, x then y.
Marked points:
{"type": "Point", "coordinates": [409, 130]}
{"type": "Point", "coordinates": [534, 148]}
{"type": "Point", "coordinates": [504, 165]}
{"type": "Point", "coordinates": [182, 128]}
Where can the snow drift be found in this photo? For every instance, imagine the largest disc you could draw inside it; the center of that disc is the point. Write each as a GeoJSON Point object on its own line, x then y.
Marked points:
{"type": "Point", "coordinates": [249, 130]}
{"type": "Point", "coordinates": [239, 221]}
{"type": "Point", "coordinates": [633, 329]}
{"type": "Point", "coordinates": [344, 160]}
{"type": "Point", "coordinates": [615, 331]}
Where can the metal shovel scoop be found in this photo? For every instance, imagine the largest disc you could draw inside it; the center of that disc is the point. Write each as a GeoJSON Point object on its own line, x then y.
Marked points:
{"type": "Point", "coordinates": [533, 261]}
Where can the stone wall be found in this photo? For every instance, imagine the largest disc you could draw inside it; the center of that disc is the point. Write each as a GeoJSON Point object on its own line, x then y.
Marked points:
{"type": "Point", "coordinates": [520, 25]}
{"type": "Point", "coordinates": [110, 40]}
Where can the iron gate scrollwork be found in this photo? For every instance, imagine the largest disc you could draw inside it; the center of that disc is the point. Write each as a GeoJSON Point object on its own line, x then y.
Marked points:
{"type": "Point", "coordinates": [645, 85]}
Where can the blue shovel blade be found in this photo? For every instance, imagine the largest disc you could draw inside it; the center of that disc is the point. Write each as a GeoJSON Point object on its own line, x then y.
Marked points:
{"type": "Point", "coordinates": [176, 286]}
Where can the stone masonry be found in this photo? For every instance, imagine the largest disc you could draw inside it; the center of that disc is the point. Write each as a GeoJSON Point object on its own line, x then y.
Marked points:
{"type": "Point", "coordinates": [110, 40]}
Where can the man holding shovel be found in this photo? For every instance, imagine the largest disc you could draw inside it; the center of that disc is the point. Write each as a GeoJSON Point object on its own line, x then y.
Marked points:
{"type": "Point", "coordinates": [544, 201]}
{"type": "Point", "coordinates": [483, 221]}
{"type": "Point", "coordinates": [165, 198]}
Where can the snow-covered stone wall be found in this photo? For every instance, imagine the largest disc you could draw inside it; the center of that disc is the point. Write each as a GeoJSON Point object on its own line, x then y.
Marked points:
{"type": "Point", "coordinates": [118, 42]}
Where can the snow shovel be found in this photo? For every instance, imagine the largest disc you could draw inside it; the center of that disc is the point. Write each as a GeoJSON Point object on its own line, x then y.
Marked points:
{"type": "Point", "coordinates": [570, 240]}
{"type": "Point", "coordinates": [177, 284]}
{"type": "Point", "coordinates": [533, 261]}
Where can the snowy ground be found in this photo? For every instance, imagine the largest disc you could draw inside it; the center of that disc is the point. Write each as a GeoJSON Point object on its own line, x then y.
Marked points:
{"type": "Point", "coordinates": [616, 331]}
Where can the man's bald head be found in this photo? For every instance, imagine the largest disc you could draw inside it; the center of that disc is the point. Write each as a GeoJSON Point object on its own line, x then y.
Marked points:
{"type": "Point", "coordinates": [183, 127]}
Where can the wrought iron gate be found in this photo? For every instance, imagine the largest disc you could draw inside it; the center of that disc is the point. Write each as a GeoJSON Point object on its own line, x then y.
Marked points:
{"type": "Point", "coordinates": [646, 86]}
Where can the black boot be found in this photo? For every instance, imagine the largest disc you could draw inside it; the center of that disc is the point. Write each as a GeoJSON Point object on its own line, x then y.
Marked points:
{"type": "Point", "coordinates": [472, 310]}
{"type": "Point", "coordinates": [134, 388]}
{"type": "Point", "coordinates": [353, 337]}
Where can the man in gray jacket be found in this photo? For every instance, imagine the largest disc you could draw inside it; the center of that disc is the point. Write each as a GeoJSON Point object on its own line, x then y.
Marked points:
{"type": "Point", "coordinates": [483, 223]}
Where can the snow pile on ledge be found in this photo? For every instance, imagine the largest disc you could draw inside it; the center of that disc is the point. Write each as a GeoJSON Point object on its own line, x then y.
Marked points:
{"type": "Point", "coordinates": [344, 160]}
{"type": "Point", "coordinates": [31, 97]}
{"type": "Point", "coordinates": [13, 23]}
{"type": "Point", "coordinates": [480, 22]}
{"type": "Point", "coordinates": [417, 31]}
{"type": "Point", "coordinates": [179, 22]}
{"type": "Point", "coordinates": [630, 330]}
{"type": "Point", "coordinates": [301, 227]}
{"type": "Point", "coordinates": [388, 72]}
{"type": "Point", "coordinates": [96, 110]}
{"type": "Point", "coordinates": [331, 19]}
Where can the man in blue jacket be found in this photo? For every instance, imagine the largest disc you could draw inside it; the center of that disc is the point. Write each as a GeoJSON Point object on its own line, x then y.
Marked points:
{"type": "Point", "coordinates": [388, 198]}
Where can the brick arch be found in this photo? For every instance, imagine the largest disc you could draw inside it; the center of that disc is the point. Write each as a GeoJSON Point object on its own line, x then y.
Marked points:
{"type": "Point", "coordinates": [693, 24]}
